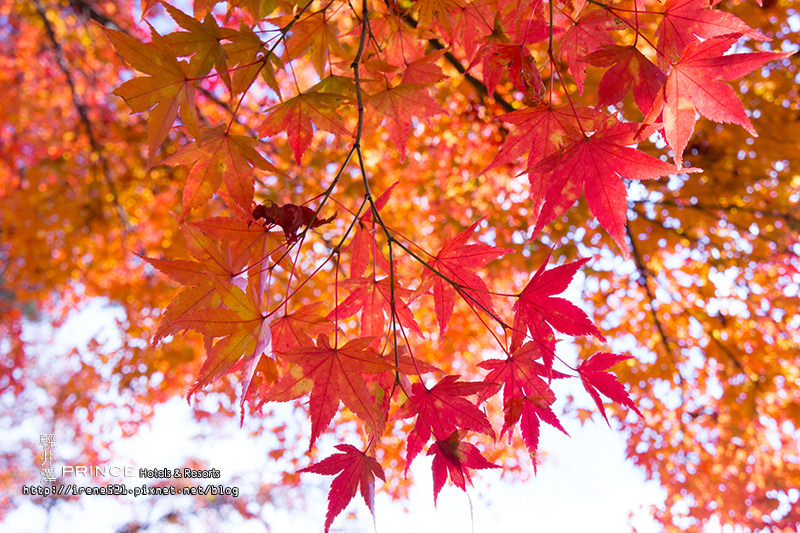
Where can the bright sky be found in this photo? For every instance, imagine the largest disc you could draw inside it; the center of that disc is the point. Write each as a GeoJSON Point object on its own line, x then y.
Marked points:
{"type": "Point", "coordinates": [585, 483]}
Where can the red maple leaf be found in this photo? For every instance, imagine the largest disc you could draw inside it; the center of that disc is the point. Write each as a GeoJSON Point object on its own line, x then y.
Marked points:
{"type": "Point", "coordinates": [363, 243]}
{"type": "Point", "coordinates": [456, 260]}
{"type": "Point", "coordinates": [205, 160]}
{"type": "Point", "coordinates": [683, 19]}
{"type": "Point", "coordinates": [337, 375]}
{"type": "Point", "coordinates": [424, 71]}
{"type": "Point", "coordinates": [373, 299]}
{"type": "Point", "coordinates": [596, 379]}
{"type": "Point", "coordinates": [396, 105]}
{"type": "Point", "coordinates": [538, 311]}
{"type": "Point", "coordinates": [517, 61]}
{"type": "Point", "coordinates": [296, 328]}
{"type": "Point", "coordinates": [184, 271]}
{"type": "Point", "coordinates": [244, 331]}
{"type": "Point", "coordinates": [440, 410]}
{"type": "Point", "coordinates": [297, 116]}
{"type": "Point", "coordinates": [696, 84]}
{"type": "Point", "coordinates": [628, 68]}
{"type": "Point", "coordinates": [540, 131]}
{"type": "Point", "coordinates": [356, 470]}
{"type": "Point", "coordinates": [594, 164]}
{"type": "Point", "coordinates": [453, 457]}
{"type": "Point", "coordinates": [523, 22]}
{"type": "Point", "coordinates": [587, 34]}
{"type": "Point", "coordinates": [202, 41]}
{"type": "Point", "coordinates": [244, 243]}
{"type": "Point", "coordinates": [526, 395]}
{"type": "Point", "coordinates": [167, 89]}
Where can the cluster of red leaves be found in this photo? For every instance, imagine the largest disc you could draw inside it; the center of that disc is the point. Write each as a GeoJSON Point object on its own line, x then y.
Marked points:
{"type": "Point", "coordinates": [238, 278]}
{"type": "Point", "coordinates": [224, 305]}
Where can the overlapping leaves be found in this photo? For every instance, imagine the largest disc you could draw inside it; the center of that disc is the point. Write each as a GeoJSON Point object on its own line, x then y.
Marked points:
{"type": "Point", "coordinates": [249, 287]}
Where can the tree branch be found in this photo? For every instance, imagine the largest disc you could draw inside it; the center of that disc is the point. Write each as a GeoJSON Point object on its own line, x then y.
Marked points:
{"type": "Point", "coordinates": [706, 207]}
{"type": "Point", "coordinates": [453, 60]}
{"type": "Point", "coordinates": [644, 274]}
{"type": "Point", "coordinates": [83, 114]}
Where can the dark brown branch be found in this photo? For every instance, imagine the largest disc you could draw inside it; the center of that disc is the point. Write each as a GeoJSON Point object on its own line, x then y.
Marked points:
{"type": "Point", "coordinates": [83, 8]}
{"type": "Point", "coordinates": [707, 211]}
{"type": "Point", "coordinates": [83, 113]}
{"type": "Point", "coordinates": [706, 207]}
{"type": "Point", "coordinates": [475, 82]}
{"type": "Point", "coordinates": [88, 11]}
{"type": "Point", "coordinates": [453, 60]}
{"type": "Point", "coordinates": [644, 274]}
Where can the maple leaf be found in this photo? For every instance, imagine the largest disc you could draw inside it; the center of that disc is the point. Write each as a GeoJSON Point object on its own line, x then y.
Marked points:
{"type": "Point", "coordinates": [146, 5]}
{"type": "Point", "coordinates": [217, 157]}
{"type": "Point", "coordinates": [440, 12]}
{"type": "Point", "coordinates": [363, 240]}
{"type": "Point", "coordinates": [299, 115]}
{"type": "Point", "coordinates": [424, 71]}
{"type": "Point", "coordinates": [456, 260]}
{"type": "Point", "coordinates": [540, 131]}
{"type": "Point", "coordinates": [337, 376]}
{"type": "Point", "coordinates": [396, 105]}
{"type": "Point", "coordinates": [440, 410]}
{"type": "Point", "coordinates": [265, 374]}
{"type": "Point", "coordinates": [587, 34]}
{"type": "Point", "coordinates": [202, 41]}
{"type": "Point", "coordinates": [246, 50]}
{"type": "Point", "coordinates": [167, 89]}
{"type": "Point", "coordinates": [296, 328]}
{"type": "Point", "coordinates": [212, 253]}
{"type": "Point", "coordinates": [472, 20]}
{"type": "Point", "coordinates": [194, 308]}
{"type": "Point", "coordinates": [356, 470]}
{"type": "Point", "coordinates": [452, 457]}
{"type": "Point", "coordinates": [316, 34]}
{"type": "Point", "coordinates": [523, 22]}
{"type": "Point", "coordinates": [595, 165]}
{"type": "Point", "coordinates": [596, 379]}
{"type": "Point", "coordinates": [397, 38]}
{"type": "Point", "coordinates": [184, 271]}
{"type": "Point", "coordinates": [248, 249]}
{"type": "Point", "coordinates": [526, 396]}
{"type": "Point", "coordinates": [497, 58]}
{"type": "Point", "coordinates": [629, 68]}
{"type": "Point", "coordinates": [373, 299]}
{"type": "Point", "coordinates": [537, 310]}
{"type": "Point", "coordinates": [696, 84]}
{"type": "Point", "coordinates": [187, 302]}
{"type": "Point", "coordinates": [247, 335]}
{"type": "Point", "coordinates": [683, 19]}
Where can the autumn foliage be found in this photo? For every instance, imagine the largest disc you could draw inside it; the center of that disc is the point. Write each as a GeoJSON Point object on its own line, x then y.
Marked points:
{"type": "Point", "coordinates": [375, 210]}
